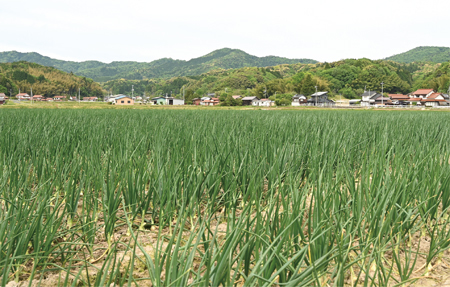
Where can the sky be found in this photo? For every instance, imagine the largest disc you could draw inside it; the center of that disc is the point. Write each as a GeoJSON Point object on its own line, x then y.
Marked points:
{"type": "Point", "coordinates": [147, 30]}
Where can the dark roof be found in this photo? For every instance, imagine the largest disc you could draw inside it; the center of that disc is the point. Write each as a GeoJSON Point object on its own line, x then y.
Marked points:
{"type": "Point", "coordinates": [250, 98]}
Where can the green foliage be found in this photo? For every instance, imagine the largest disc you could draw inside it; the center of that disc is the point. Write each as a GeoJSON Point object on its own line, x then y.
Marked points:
{"type": "Point", "coordinates": [45, 81]}
{"type": "Point", "coordinates": [308, 85]}
{"type": "Point", "coordinates": [207, 197]}
{"type": "Point", "coordinates": [423, 54]}
{"type": "Point", "coordinates": [162, 68]}
{"type": "Point", "coordinates": [348, 93]}
{"type": "Point", "coordinates": [229, 101]}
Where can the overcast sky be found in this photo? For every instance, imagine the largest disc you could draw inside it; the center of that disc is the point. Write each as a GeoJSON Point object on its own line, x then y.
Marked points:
{"type": "Point", "coordinates": [146, 30]}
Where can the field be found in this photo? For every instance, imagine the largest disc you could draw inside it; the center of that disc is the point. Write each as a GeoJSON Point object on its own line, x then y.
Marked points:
{"type": "Point", "coordinates": [155, 197]}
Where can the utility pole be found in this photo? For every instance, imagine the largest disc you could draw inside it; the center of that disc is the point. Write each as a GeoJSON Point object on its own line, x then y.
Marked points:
{"type": "Point", "coordinates": [31, 95]}
{"type": "Point", "coordinates": [382, 83]}
{"type": "Point", "coordinates": [132, 91]}
{"type": "Point", "coordinates": [316, 95]}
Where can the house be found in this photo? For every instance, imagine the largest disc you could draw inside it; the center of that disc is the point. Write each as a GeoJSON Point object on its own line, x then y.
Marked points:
{"type": "Point", "coordinates": [37, 98]}
{"type": "Point", "coordinates": [434, 100]}
{"type": "Point", "coordinates": [48, 99]}
{"type": "Point", "coordinates": [73, 98]}
{"type": "Point", "coordinates": [23, 96]}
{"type": "Point", "coordinates": [2, 99]}
{"type": "Point", "coordinates": [236, 97]}
{"type": "Point", "coordinates": [263, 103]}
{"type": "Point", "coordinates": [174, 102]}
{"type": "Point", "coordinates": [383, 101]}
{"type": "Point", "coordinates": [196, 101]}
{"type": "Point", "coordinates": [207, 103]}
{"type": "Point", "coordinates": [320, 99]}
{"type": "Point", "coordinates": [422, 93]}
{"type": "Point", "coordinates": [368, 98]}
{"type": "Point", "coordinates": [159, 101]}
{"type": "Point", "coordinates": [398, 98]}
{"type": "Point", "coordinates": [167, 101]}
{"type": "Point", "coordinates": [298, 100]}
{"type": "Point", "coordinates": [58, 98]}
{"type": "Point", "coordinates": [123, 100]}
{"type": "Point", "coordinates": [248, 101]}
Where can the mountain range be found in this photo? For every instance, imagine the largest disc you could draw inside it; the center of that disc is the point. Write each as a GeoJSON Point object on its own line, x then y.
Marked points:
{"type": "Point", "coordinates": [423, 54]}
{"type": "Point", "coordinates": [225, 58]}
{"type": "Point", "coordinates": [163, 68]}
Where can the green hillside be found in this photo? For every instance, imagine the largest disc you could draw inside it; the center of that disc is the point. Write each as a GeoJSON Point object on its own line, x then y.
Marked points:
{"type": "Point", "coordinates": [47, 81]}
{"type": "Point", "coordinates": [423, 54]}
{"type": "Point", "coordinates": [347, 77]}
{"type": "Point", "coordinates": [163, 68]}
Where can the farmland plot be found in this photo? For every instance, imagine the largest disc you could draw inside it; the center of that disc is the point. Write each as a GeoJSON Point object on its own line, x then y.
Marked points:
{"type": "Point", "coordinates": [221, 198]}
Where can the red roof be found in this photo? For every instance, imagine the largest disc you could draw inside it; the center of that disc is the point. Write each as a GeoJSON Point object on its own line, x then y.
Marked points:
{"type": "Point", "coordinates": [398, 97]}
{"type": "Point", "coordinates": [58, 97]}
{"type": "Point", "coordinates": [415, 99]}
{"type": "Point", "coordinates": [434, 96]}
{"type": "Point", "coordinates": [423, 91]}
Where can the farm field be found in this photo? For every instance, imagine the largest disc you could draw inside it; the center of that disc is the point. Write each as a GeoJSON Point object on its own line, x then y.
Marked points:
{"type": "Point", "coordinates": [155, 197]}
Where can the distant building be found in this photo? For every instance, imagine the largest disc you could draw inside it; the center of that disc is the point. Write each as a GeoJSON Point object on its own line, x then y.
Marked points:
{"type": "Point", "coordinates": [263, 103]}
{"type": "Point", "coordinates": [236, 97]}
{"type": "Point", "coordinates": [37, 98]}
{"type": "Point", "coordinates": [2, 99]}
{"type": "Point", "coordinates": [168, 101]}
{"type": "Point", "coordinates": [368, 98]}
{"type": "Point", "coordinates": [248, 101]}
{"type": "Point", "coordinates": [123, 101]}
{"type": "Point", "coordinates": [159, 101]}
{"type": "Point", "coordinates": [398, 98]}
{"type": "Point", "coordinates": [196, 101]}
{"type": "Point", "coordinates": [58, 98]}
{"type": "Point", "coordinates": [298, 100]}
{"type": "Point", "coordinates": [422, 93]}
{"type": "Point", "coordinates": [320, 99]}
{"type": "Point", "coordinates": [23, 96]}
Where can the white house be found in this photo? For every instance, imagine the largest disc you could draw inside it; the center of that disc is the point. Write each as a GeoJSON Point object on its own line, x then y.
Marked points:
{"type": "Point", "coordinates": [298, 100]}
{"type": "Point", "coordinates": [263, 103]}
{"type": "Point", "coordinates": [23, 96]}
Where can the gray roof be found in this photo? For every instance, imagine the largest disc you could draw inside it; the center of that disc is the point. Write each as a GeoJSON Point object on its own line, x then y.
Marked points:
{"type": "Point", "coordinates": [319, 94]}
{"type": "Point", "coordinates": [250, 98]}
{"type": "Point", "coordinates": [298, 96]}
{"type": "Point", "coordinates": [372, 94]}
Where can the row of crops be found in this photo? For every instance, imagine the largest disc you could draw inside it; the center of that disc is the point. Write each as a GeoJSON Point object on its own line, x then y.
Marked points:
{"type": "Point", "coordinates": [210, 198]}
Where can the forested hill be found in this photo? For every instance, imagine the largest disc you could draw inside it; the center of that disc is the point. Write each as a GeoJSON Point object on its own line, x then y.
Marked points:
{"type": "Point", "coordinates": [423, 54]}
{"type": "Point", "coordinates": [163, 68]}
{"type": "Point", "coordinates": [46, 81]}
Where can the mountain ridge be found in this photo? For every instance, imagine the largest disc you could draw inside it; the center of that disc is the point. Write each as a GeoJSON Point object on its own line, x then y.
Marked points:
{"type": "Point", "coordinates": [225, 58]}
{"type": "Point", "coordinates": [433, 54]}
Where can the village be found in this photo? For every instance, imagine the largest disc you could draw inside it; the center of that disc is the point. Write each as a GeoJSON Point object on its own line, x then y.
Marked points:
{"type": "Point", "coordinates": [419, 98]}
